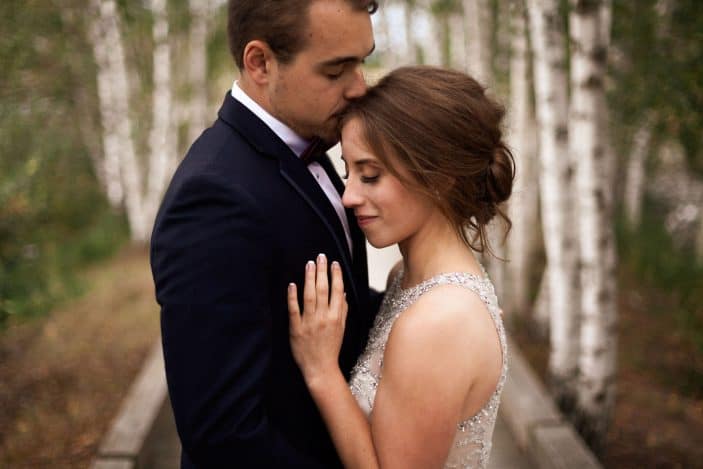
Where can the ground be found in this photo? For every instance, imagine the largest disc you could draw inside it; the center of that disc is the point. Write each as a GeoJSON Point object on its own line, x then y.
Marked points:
{"type": "Point", "coordinates": [658, 420]}
{"type": "Point", "coordinates": [62, 376]}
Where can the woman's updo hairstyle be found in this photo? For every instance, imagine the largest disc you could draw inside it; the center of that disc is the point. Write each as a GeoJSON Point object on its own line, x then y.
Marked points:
{"type": "Point", "coordinates": [442, 128]}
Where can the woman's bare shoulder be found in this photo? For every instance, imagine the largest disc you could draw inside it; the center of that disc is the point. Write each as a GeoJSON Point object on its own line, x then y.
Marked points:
{"type": "Point", "coordinates": [447, 323]}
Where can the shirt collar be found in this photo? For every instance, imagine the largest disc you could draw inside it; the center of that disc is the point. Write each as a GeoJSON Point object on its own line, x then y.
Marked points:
{"type": "Point", "coordinates": [295, 142]}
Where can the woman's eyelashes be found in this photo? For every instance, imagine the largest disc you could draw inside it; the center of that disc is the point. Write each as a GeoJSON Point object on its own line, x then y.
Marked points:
{"type": "Point", "coordinates": [367, 175]}
{"type": "Point", "coordinates": [366, 179]}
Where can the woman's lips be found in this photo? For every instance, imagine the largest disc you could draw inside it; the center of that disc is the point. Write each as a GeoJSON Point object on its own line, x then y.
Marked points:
{"type": "Point", "coordinates": [364, 220]}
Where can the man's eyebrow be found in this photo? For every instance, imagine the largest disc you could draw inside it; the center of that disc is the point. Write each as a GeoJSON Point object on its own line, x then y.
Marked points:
{"type": "Point", "coordinates": [346, 59]}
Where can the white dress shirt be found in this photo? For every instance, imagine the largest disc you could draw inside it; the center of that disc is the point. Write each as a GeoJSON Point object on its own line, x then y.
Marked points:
{"type": "Point", "coordinates": [298, 145]}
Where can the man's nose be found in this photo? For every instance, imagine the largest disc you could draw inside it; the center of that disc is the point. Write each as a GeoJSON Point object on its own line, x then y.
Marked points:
{"type": "Point", "coordinates": [357, 87]}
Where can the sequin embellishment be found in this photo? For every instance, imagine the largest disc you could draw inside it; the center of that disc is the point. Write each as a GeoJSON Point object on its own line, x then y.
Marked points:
{"type": "Point", "coordinates": [472, 441]}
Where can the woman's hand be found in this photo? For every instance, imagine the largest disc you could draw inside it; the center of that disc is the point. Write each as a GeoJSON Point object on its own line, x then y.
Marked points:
{"type": "Point", "coordinates": [316, 336]}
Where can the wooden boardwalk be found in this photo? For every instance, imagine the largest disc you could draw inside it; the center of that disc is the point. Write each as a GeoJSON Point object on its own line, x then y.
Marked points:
{"type": "Point", "coordinates": [165, 452]}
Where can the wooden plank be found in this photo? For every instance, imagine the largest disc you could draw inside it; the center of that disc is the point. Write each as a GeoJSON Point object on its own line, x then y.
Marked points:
{"type": "Point", "coordinates": [139, 410]}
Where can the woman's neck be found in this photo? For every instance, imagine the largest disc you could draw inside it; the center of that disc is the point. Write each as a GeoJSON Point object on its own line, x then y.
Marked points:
{"type": "Point", "coordinates": [435, 249]}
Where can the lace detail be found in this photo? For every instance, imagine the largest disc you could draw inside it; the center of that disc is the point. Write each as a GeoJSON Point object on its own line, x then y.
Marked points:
{"type": "Point", "coordinates": [472, 441]}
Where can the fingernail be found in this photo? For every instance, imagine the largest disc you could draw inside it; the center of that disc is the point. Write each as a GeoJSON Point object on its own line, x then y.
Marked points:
{"type": "Point", "coordinates": [335, 265]}
{"type": "Point", "coordinates": [291, 286]}
{"type": "Point", "coordinates": [321, 257]}
{"type": "Point", "coordinates": [309, 265]}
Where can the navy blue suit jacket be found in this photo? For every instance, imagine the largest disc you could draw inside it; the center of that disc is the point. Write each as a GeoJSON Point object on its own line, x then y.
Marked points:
{"type": "Point", "coordinates": [239, 221]}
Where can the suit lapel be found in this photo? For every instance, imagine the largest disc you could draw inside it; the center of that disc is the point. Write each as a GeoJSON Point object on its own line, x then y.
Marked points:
{"type": "Point", "coordinates": [299, 177]}
{"type": "Point", "coordinates": [294, 171]}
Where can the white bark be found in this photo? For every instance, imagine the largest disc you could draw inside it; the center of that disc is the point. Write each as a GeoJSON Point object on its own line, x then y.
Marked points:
{"type": "Point", "coordinates": [162, 140]}
{"type": "Point", "coordinates": [113, 91]}
{"type": "Point", "coordinates": [108, 53]}
{"type": "Point", "coordinates": [197, 68]}
{"type": "Point", "coordinates": [597, 360]}
{"type": "Point", "coordinates": [432, 50]}
{"type": "Point", "coordinates": [547, 34]}
{"type": "Point", "coordinates": [122, 166]}
{"type": "Point", "coordinates": [635, 173]}
{"type": "Point", "coordinates": [479, 28]}
{"type": "Point", "coordinates": [522, 208]}
{"type": "Point", "coordinates": [457, 42]}
{"type": "Point", "coordinates": [478, 25]}
{"type": "Point", "coordinates": [411, 46]}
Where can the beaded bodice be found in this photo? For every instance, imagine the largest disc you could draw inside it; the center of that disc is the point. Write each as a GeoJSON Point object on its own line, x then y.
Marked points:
{"type": "Point", "coordinates": [472, 441]}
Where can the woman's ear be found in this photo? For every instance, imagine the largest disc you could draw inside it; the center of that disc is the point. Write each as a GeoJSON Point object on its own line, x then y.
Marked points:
{"type": "Point", "coordinates": [257, 59]}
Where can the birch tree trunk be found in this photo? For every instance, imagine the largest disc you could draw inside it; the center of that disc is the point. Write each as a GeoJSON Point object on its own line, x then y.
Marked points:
{"type": "Point", "coordinates": [547, 34]}
{"type": "Point", "coordinates": [198, 116]}
{"type": "Point", "coordinates": [479, 27]}
{"type": "Point", "coordinates": [162, 141]}
{"type": "Point", "coordinates": [140, 200]}
{"type": "Point", "coordinates": [433, 49]}
{"type": "Point", "coordinates": [121, 166]}
{"type": "Point", "coordinates": [457, 41]}
{"type": "Point", "coordinates": [411, 46]}
{"type": "Point", "coordinates": [109, 54]}
{"type": "Point", "coordinates": [597, 360]}
{"type": "Point", "coordinates": [635, 173]}
{"type": "Point", "coordinates": [478, 17]}
{"type": "Point", "coordinates": [523, 203]}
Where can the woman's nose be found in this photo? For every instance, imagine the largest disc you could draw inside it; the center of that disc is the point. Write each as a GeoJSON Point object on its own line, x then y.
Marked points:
{"type": "Point", "coordinates": [351, 197]}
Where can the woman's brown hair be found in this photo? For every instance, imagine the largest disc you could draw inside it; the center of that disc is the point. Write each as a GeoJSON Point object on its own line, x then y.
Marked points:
{"type": "Point", "coordinates": [440, 126]}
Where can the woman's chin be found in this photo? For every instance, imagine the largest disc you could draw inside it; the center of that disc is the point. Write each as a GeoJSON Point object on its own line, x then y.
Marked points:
{"type": "Point", "coordinates": [379, 243]}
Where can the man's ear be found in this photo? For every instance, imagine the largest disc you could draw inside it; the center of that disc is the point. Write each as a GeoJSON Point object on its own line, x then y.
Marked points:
{"type": "Point", "coordinates": [257, 60]}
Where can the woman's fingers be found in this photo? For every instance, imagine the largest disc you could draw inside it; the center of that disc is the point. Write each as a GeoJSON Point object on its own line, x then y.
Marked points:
{"type": "Point", "coordinates": [293, 308]}
{"type": "Point", "coordinates": [309, 301]}
{"type": "Point", "coordinates": [337, 299]}
{"type": "Point", "coordinates": [321, 285]}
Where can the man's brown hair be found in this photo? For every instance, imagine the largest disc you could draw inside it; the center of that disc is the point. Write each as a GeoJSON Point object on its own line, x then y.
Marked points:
{"type": "Point", "coordinates": [440, 126]}
{"type": "Point", "coordinates": [279, 23]}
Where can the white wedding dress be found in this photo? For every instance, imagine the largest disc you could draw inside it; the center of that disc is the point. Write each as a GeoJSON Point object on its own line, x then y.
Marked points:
{"type": "Point", "coordinates": [472, 441]}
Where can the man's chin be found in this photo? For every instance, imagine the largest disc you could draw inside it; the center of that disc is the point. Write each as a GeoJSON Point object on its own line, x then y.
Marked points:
{"type": "Point", "coordinates": [333, 134]}
{"type": "Point", "coordinates": [331, 138]}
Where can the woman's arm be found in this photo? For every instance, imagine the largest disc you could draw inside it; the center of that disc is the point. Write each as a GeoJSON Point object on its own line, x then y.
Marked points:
{"type": "Point", "coordinates": [425, 377]}
{"type": "Point", "coordinates": [440, 366]}
{"type": "Point", "coordinates": [316, 338]}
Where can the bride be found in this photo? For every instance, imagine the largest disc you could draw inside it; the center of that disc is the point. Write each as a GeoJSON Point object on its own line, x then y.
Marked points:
{"type": "Point", "coordinates": [427, 169]}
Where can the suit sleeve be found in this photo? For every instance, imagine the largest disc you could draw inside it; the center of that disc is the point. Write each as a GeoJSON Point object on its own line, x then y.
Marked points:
{"type": "Point", "coordinates": [211, 259]}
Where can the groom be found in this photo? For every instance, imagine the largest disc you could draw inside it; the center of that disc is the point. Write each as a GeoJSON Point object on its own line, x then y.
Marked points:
{"type": "Point", "coordinates": [242, 215]}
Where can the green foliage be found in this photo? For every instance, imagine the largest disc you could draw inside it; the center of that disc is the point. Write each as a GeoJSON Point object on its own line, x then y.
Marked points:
{"type": "Point", "coordinates": [654, 70]}
{"type": "Point", "coordinates": [670, 279]}
{"type": "Point", "coordinates": [53, 216]}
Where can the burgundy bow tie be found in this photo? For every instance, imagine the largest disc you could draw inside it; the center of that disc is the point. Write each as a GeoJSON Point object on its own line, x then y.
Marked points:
{"type": "Point", "coordinates": [316, 150]}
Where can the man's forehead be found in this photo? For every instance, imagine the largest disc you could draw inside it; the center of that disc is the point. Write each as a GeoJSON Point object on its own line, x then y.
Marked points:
{"type": "Point", "coordinates": [337, 31]}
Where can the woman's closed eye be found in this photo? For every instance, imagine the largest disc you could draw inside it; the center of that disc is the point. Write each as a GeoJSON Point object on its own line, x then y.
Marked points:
{"type": "Point", "coordinates": [369, 179]}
